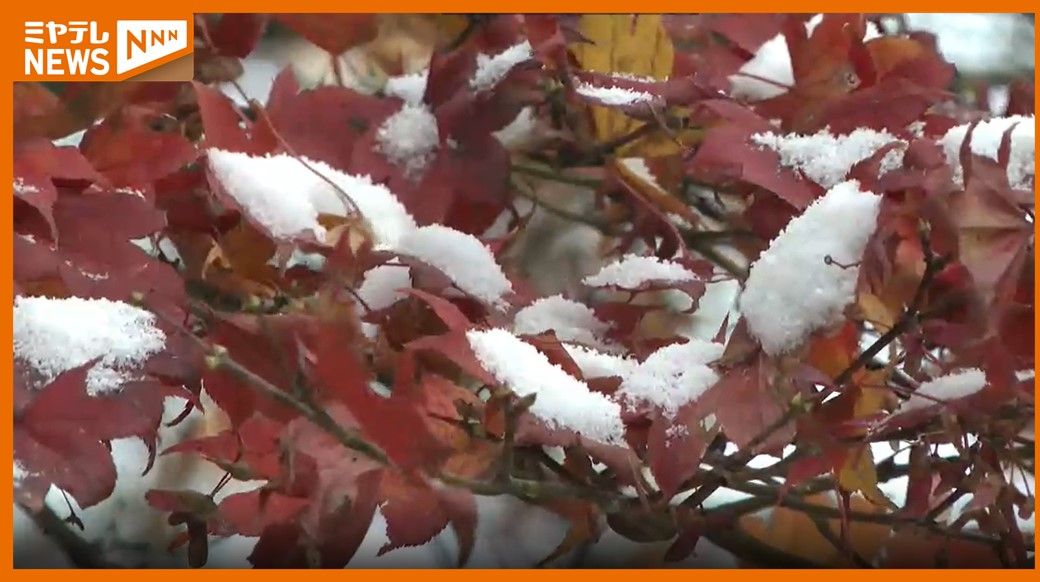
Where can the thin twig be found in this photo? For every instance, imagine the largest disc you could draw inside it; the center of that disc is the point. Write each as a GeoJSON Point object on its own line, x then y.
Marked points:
{"type": "Point", "coordinates": [81, 552]}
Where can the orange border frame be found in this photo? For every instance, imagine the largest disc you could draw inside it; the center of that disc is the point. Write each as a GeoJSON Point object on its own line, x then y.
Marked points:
{"type": "Point", "coordinates": [10, 57]}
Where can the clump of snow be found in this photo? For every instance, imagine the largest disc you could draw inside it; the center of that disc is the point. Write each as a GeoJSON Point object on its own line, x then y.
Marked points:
{"type": "Point", "coordinates": [825, 158]}
{"type": "Point", "coordinates": [409, 88]}
{"type": "Point", "coordinates": [56, 335]}
{"type": "Point", "coordinates": [286, 196]}
{"type": "Point", "coordinates": [613, 95]}
{"type": "Point", "coordinates": [572, 321]}
{"type": "Point", "coordinates": [409, 137]}
{"type": "Point", "coordinates": [596, 364]}
{"type": "Point", "coordinates": [769, 72]}
{"type": "Point", "coordinates": [985, 141]}
{"type": "Point", "coordinates": [380, 287]}
{"type": "Point", "coordinates": [492, 69]}
{"type": "Point", "coordinates": [462, 257]}
{"type": "Point", "coordinates": [945, 388]}
{"type": "Point", "coordinates": [631, 271]}
{"type": "Point", "coordinates": [792, 289]}
{"type": "Point", "coordinates": [673, 375]}
{"type": "Point", "coordinates": [562, 401]}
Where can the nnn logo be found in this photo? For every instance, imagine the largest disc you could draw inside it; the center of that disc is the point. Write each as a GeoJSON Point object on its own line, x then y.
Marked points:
{"type": "Point", "coordinates": [99, 50]}
{"type": "Point", "coordinates": [140, 42]}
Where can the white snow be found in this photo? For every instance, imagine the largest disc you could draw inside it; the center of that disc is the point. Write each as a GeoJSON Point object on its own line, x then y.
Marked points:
{"type": "Point", "coordinates": [286, 197]}
{"type": "Point", "coordinates": [562, 401]}
{"type": "Point", "coordinates": [985, 141]}
{"type": "Point", "coordinates": [769, 72]}
{"type": "Point", "coordinates": [945, 388]}
{"type": "Point", "coordinates": [826, 158]}
{"type": "Point", "coordinates": [791, 290]}
{"type": "Point", "coordinates": [462, 257]}
{"type": "Point", "coordinates": [379, 288]}
{"type": "Point", "coordinates": [56, 335]}
{"type": "Point", "coordinates": [492, 69]}
{"type": "Point", "coordinates": [673, 375]}
{"type": "Point", "coordinates": [631, 271]}
{"type": "Point", "coordinates": [409, 88]}
{"type": "Point", "coordinates": [596, 364]}
{"type": "Point", "coordinates": [612, 95]}
{"type": "Point", "coordinates": [408, 138]}
{"type": "Point", "coordinates": [572, 321]}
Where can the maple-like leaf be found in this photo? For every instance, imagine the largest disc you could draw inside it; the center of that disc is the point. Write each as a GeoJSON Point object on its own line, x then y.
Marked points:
{"type": "Point", "coordinates": [60, 436]}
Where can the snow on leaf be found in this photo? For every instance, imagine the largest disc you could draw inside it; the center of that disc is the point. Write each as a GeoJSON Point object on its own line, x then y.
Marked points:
{"type": "Point", "coordinates": [408, 138]}
{"type": "Point", "coordinates": [985, 141]}
{"type": "Point", "coordinates": [572, 321]}
{"type": "Point", "coordinates": [380, 287]}
{"type": "Point", "coordinates": [460, 256]}
{"type": "Point", "coordinates": [596, 364]}
{"type": "Point", "coordinates": [793, 289]}
{"type": "Point", "coordinates": [613, 95]}
{"type": "Point", "coordinates": [562, 401]}
{"type": "Point", "coordinates": [283, 195]}
{"type": "Point", "coordinates": [56, 335]}
{"type": "Point", "coordinates": [409, 88]}
{"type": "Point", "coordinates": [825, 158]}
{"type": "Point", "coordinates": [632, 271]}
{"type": "Point", "coordinates": [953, 386]}
{"type": "Point", "coordinates": [767, 74]}
{"type": "Point", "coordinates": [491, 69]}
{"type": "Point", "coordinates": [673, 376]}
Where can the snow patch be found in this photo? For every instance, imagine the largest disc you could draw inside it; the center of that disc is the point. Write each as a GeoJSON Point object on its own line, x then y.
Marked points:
{"type": "Point", "coordinates": [572, 321]}
{"type": "Point", "coordinates": [562, 401]}
{"type": "Point", "coordinates": [985, 141]}
{"type": "Point", "coordinates": [613, 95]}
{"type": "Point", "coordinates": [596, 364]}
{"type": "Point", "coordinates": [792, 290]}
{"type": "Point", "coordinates": [825, 158]}
{"type": "Point", "coordinates": [408, 138]}
{"type": "Point", "coordinates": [945, 388]}
{"type": "Point", "coordinates": [462, 257]}
{"type": "Point", "coordinates": [409, 88]}
{"type": "Point", "coordinates": [631, 271]}
{"type": "Point", "coordinates": [673, 375]}
{"type": "Point", "coordinates": [379, 288]}
{"type": "Point", "coordinates": [56, 335]}
{"type": "Point", "coordinates": [492, 69]}
{"type": "Point", "coordinates": [286, 196]}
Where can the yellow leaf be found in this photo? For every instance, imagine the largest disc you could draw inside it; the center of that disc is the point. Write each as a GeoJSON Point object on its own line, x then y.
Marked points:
{"type": "Point", "coordinates": [795, 533]}
{"type": "Point", "coordinates": [858, 474]}
{"type": "Point", "coordinates": [874, 310]}
{"type": "Point", "coordinates": [631, 44]}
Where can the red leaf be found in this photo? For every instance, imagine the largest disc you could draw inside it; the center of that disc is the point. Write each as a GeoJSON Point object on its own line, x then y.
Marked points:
{"type": "Point", "coordinates": [333, 32]}
{"type": "Point", "coordinates": [343, 377]}
{"type": "Point", "coordinates": [134, 147]}
{"type": "Point", "coordinates": [251, 512]}
{"type": "Point", "coordinates": [228, 129]}
{"type": "Point", "coordinates": [726, 154]}
{"type": "Point", "coordinates": [236, 34]}
{"type": "Point", "coordinates": [746, 402]}
{"type": "Point", "coordinates": [59, 435]}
